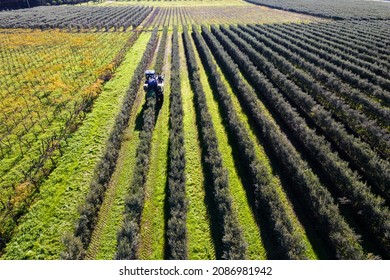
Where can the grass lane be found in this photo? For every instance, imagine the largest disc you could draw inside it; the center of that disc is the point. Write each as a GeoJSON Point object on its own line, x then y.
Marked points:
{"type": "Point", "coordinates": [103, 242]}
{"type": "Point", "coordinates": [262, 156]}
{"type": "Point", "coordinates": [240, 204]}
{"type": "Point", "coordinates": [200, 245]}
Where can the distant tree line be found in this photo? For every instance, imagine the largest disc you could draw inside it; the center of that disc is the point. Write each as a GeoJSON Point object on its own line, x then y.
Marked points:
{"type": "Point", "coordinates": [346, 9]}
{"type": "Point", "coordinates": [77, 18]}
{"type": "Point", "coordinates": [20, 4]}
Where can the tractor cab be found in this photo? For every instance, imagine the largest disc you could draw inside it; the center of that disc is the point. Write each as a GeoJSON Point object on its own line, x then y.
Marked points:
{"type": "Point", "coordinates": [149, 74]}
{"type": "Point", "coordinates": [154, 84]}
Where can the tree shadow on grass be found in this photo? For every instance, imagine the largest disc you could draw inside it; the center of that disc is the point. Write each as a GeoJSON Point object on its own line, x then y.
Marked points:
{"type": "Point", "coordinates": [240, 164]}
{"type": "Point", "coordinates": [265, 225]}
{"type": "Point", "coordinates": [139, 121]}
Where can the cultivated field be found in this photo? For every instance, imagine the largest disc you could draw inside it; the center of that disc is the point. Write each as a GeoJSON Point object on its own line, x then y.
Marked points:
{"type": "Point", "coordinates": [177, 16]}
{"type": "Point", "coordinates": [49, 81]}
{"type": "Point", "coordinates": [76, 18]}
{"type": "Point", "coordinates": [272, 141]}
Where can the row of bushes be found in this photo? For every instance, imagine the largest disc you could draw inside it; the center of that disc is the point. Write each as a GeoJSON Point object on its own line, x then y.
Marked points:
{"type": "Point", "coordinates": [376, 215]}
{"type": "Point", "coordinates": [128, 235]}
{"type": "Point", "coordinates": [333, 45]}
{"type": "Point", "coordinates": [269, 204]}
{"type": "Point", "coordinates": [344, 61]}
{"type": "Point", "coordinates": [359, 153]}
{"type": "Point", "coordinates": [356, 99]}
{"type": "Point", "coordinates": [76, 245]}
{"type": "Point", "coordinates": [358, 122]}
{"type": "Point", "coordinates": [358, 36]}
{"type": "Point", "coordinates": [315, 197]}
{"type": "Point", "coordinates": [350, 78]}
{"type": "Point", "coordinates": [233, 245]}
{"type": "Point", "coordinates": [176, 230]}
{"type": "Point", "coordinates": [161, 51]}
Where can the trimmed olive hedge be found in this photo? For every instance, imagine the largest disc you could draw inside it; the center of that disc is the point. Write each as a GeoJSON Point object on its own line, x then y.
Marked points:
{"type": "Point", "coordinates": [270, 206]}
{"type": "Point", "coordinates": [161, 51]}
{"type": "Point", "coordinates": [128, 236]}
{"type": "Point", "coordinates": [315, 197]}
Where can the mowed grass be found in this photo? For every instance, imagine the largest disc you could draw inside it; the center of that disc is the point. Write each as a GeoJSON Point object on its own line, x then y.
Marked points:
{"type": "Point", "coordinates": [262, 156]}
{"type": "Point", "coordinates": [103, 244]}
{"type": "Point", "coordinates": [106, 241]}
{"type": "Point", "coordinates": [240, 204]}
{"type": "Point", "coordinates": [40, 231]}
{"type": "Point", "coordinates": [153, 216]}
{"type": "Point", "coordinates": [200, 245]}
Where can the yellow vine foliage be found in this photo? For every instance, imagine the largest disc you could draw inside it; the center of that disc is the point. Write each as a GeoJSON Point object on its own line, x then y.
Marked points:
{"type": "Point", "coordinates": [44, 76]}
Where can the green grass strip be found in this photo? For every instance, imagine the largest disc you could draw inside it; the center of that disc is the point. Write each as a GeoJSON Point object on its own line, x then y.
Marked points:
{"type": "Point", "coordinates": [153, 223]}
{"type": "Point", "coordinates": [104, 239]}
{"type": "Point", "coordinates": [241, 206]}
{"type": "Point", "coordinates": [120, 181]}
{"type": "Point", "coordinates": [262, 156]}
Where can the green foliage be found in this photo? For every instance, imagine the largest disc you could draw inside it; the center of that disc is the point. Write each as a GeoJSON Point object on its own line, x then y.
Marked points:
{"type": "Point", "coordinates": [267, 199]}
{"type": "Point", "coordinates": [372, 133]}
{"type": "Point", "coordinates": [233, 244]}
{"type": "Point", "coordinates": [176, 230]}
{"type": "Point", "coordinates": [74, 248]}
{"type": "Point", "coordinates": [161, 50]}
{"type": "Point", "coordinates": [342, 177]}
{"type": "Point", "coordinates": [51, 108]}
{"type": "Point", "coordinates": [316, 197]}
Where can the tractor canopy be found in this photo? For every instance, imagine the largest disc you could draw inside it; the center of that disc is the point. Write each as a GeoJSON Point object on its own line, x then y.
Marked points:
{"type": "Point", "coordinates": [149, 74]}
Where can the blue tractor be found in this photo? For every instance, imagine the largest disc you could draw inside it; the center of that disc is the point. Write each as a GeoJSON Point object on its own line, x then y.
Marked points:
{"type": "Point", "coordinates": [154, 84]}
